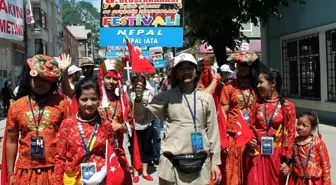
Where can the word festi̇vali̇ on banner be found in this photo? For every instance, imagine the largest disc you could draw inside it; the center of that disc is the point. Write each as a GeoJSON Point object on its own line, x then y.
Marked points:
{"type": "Point", "coordinates": [143, 22]}
{"type": "Point", "coordinates": [11, 19]}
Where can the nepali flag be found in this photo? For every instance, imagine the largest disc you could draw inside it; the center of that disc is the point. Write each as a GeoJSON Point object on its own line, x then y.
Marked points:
{"type": "Point", "coordinates": [245, 134]}
{"type": "Point", "coordinates": [114, 172]}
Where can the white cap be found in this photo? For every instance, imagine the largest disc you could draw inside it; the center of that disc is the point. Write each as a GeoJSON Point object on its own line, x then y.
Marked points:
{"type": "Point", "coordinates": [225, 68]}
{"type": "Point", "coordinates": [184, 57]}
{"type": "Point", "coordinates": [73, 69]}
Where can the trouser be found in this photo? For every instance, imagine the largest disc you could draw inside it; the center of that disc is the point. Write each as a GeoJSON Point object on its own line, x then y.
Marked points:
{"type": "Point", "coordinates": [157, 127]}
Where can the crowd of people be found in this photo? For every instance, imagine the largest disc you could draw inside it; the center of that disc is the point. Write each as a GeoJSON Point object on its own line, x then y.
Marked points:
{"type": "Point", "coordinates": [189, 122]}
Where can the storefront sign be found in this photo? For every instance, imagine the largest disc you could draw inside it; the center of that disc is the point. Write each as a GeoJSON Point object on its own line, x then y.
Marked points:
{"type": "Point", "coordinates": [143, 22]}
{"type": "Point", "coordinates": [123, 50]}
{"type": "Point", "coordinates": [156, 54]}
{"type": "Point", "coordinates": [254, 45]}
{"type": "Point", "coordinates": [11, 19]}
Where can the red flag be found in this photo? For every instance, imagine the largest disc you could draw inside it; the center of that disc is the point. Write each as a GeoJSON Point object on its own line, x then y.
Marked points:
{"type": "Point", "coordinates": [245, 134]}
{"type": "Point", "coordinates": [114, 172]}
{"type": "Point", "coordinates": [140, 64]}
{"type": "Point", "coordinates": [221, 118]}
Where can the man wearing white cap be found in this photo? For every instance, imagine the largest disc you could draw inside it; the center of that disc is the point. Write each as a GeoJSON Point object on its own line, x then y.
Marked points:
{"type": "Point", "coordinates": [74, 75]}
{"type": "Point", "coordinates": [225, 73]}
{"type": "Point", "coordinates": [190, 148]}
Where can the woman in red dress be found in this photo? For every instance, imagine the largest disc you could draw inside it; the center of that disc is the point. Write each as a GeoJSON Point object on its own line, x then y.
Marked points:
{"type": "Point", "coordinates": [115, 108]}
{"type": "Point", "coordinates": [82, 138]}
{"type": "Point", "coordinates": [273, 120]}
{"type": "Point", "coordinates": [33, 122]}
{"type": "Point", "coordinates": [311, 165]}
{"type": "Point", "coordinates": [237, 96]}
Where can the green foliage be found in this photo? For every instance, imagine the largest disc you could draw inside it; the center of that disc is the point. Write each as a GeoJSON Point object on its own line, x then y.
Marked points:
{"type": "Point", "coordinates": [219, 22]}
{"type": "Point", "coordinates": [72, 16]}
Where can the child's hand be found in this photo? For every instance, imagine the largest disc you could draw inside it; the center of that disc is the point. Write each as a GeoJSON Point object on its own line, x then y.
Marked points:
{"type": "Point", "coordinates": [285, 169]}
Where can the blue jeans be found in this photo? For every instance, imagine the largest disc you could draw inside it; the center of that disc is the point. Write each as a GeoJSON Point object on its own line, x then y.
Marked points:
{"type": "Point", "coordinates": [157, 127]}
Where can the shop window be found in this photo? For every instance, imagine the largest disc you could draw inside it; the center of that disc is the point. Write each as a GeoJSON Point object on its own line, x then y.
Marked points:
{"type": "Point", "coordinates": [40, 18]}
{"type": "Point", "coordinates": [331, 64]}
{"type": "Point", "coordinates": [40, 47]}
{"type": "Point", "coordinates": [301, 68]}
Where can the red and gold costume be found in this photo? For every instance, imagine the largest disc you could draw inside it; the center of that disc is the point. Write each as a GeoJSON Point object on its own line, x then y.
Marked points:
{"type": "Point", "coordinates": [21, 119]}
{"type": "Point", "coordinates": [265, 169]}
{"type": "Point", "coordinates": [239, 100]}
{"type": "Point", "coordinates": [114, 68]}
{"type": "Point", "coordinates": [318, 170]}
{"type": "Point", "coordinates": [70, 150]}
{"type": "Point", "coordinates": [234, 160]}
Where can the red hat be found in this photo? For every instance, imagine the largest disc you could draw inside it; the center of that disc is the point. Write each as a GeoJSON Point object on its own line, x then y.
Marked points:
{"type": "Point", "coordinates": [45, 67]}
{"type": "Point", "coordinates": [243, 56]}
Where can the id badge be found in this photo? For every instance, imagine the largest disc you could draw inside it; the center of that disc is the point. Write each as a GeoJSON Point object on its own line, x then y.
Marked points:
{"type": "Point", "coordinates": [88, 170]}
{"type": "Point", "coordinates": [267, 145]}
{"type": "Point", "coordinates": [246, 117]}
{"type": "Point", "coordinates": [197, 141]}
{"type": "Point", "coordinates": [36, 147]}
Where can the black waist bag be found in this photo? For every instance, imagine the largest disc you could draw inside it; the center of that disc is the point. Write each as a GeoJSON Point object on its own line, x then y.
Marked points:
{"type": "Point", "coordinates": [187, 163]}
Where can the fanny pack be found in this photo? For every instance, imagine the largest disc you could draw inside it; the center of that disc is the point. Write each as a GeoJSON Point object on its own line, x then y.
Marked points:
{"type": "Point", "coordinates": [187, 163]}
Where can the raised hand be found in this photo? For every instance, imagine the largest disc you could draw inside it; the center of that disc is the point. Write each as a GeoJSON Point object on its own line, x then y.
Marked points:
{"type": "Point", "coordinates": [65, 62]}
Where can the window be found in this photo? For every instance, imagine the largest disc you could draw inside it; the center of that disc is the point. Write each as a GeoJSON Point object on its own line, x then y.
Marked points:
{"type": "Point", "coordinates": [40, 18]}
{"type": "Point", "coordinates": [40, 47]}
{"type": "Point", "coordinates": [331, 64]}
{"type": "Point", "coordinates": [301, 67]}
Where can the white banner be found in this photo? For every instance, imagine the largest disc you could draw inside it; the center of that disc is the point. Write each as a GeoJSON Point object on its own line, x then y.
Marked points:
{"type": "Point", "coordinates": [29, 13]}
{"type": "Point", "coordinates": [11, 19]}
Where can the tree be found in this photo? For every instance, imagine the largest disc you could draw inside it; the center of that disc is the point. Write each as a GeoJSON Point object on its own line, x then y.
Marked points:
{"type": "Point", "coordinates": [218, 22]}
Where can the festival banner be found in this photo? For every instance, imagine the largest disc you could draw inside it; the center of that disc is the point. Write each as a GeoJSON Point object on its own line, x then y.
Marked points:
{"type": "Point", "coordinates": [143, 22]}
{"type": "Point", "coordinates": [119, 51]}
{"type": "Point", "coordinates": [11, 19]}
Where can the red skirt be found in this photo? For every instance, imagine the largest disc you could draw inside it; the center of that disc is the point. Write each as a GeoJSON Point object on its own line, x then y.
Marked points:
{"type": "Point", "coordinates": [296, 180]}
{"type": "Point", "coordinates": [265, 169]}
{"type": "Point", "coordinates": [32, 177]}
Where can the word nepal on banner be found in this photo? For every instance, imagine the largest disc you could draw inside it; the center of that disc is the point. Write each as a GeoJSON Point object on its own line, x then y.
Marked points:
{"type": "Point", "coordinates": [11, 19]}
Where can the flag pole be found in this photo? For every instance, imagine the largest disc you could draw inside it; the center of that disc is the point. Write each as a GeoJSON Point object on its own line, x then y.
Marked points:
{"type": "Point", "coordinates": [127, 63]}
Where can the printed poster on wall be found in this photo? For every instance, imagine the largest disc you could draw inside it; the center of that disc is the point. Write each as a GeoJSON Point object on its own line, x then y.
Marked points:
{"type": "Point", "coordinates": [156, 54]}
{"type": "Point", "coordinates": [143, 22]}
{"type": "Point", "coordinates": [11, 19]}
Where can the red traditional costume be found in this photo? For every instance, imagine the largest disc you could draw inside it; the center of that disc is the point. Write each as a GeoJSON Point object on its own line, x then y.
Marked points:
{"type": "Point", "coordinates": [280, 116]}
{"type": "Point", "coordinates": [21, 119]}
{"type": "Point", "coordinates": [119, 111]}
{"type": "Point", "coordinates": [239, 100]}
{"type": "Point", "coordinates": [318, 170]}
{"type": "Point", "coordinates": [71, 153]}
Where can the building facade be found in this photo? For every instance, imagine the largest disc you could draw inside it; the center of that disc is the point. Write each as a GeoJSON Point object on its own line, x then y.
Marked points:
{"type": "Point", "coordinates": [83, 37]}
{"type": "Point", "coordinates": [302, 44]}
{"type": "Point", "coordinates": [70, 45]}
{"type": "Point", "coordinates": [45, 35]}
{"type": "Point", "coordinates": [11, 42]}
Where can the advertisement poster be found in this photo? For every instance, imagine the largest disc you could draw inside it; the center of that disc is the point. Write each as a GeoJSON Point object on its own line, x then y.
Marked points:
{"type": "Point", "coordinates": [119, 51]}
{"type": "Point", "coordinates": [156, 54]}
{"type": "Point", "coordinates": [143, 22]}
{"type": "Point", "coordinates": [11, 19]}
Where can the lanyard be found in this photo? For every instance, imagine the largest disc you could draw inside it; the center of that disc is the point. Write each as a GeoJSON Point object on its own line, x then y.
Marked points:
{"type": "Point", "coordinates": [40, 114]}
{"type": "Point", "coordinates": [114, 113]}
{"type": "Point", "coordinates": [306, 160]}
{"type": "Point", "coordinates": [246, 103]}
{"type": "Point", "coordinates": [193, 115]}
{"type": "Point", "coordinates": [81, 134]}
{"type": "Point", "coordinates": [268, 122]}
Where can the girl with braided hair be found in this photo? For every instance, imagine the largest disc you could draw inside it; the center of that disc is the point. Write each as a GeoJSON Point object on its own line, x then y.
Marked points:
{"type": "Point", "coordinates": [32, 124]}
{"type": "Point", "coordinates": [273, 121]}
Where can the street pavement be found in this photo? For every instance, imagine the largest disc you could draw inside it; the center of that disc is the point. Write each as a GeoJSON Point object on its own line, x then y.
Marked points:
{"type": "Point", "coordinates": [328, 134]}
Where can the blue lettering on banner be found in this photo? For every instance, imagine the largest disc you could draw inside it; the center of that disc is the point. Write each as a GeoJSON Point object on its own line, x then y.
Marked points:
{"type": "Point", "coordinates": [159, 64]}
{"type": "Point", "coordinates": [142, 36]}
{"type": "Point", "coordinates": [121, 53]}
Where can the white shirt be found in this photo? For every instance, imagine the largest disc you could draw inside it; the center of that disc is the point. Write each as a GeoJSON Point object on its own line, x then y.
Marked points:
{"type": "Point", "coordinates": [146, 98]}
